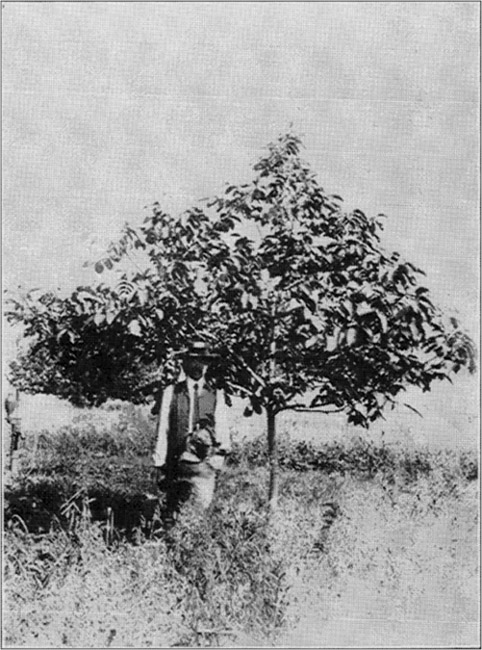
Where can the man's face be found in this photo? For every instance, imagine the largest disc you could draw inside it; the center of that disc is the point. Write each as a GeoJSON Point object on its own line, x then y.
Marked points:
{"type": "Point", "coordinates": [194, 367]}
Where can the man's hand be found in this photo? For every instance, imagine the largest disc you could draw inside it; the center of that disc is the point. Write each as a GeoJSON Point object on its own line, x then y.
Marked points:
{"type": "Point", "coordinates": [199, 443]}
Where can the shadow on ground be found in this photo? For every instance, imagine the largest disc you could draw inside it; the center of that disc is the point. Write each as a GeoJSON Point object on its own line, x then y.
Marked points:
{"type": "Point", "coordinates": [43, 503]}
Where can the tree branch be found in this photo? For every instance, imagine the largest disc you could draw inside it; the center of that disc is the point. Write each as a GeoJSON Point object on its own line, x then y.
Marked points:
{"type": "Point", "coordinates": [302, 408]}
{"type": "Point", "coordinates": [233, 385]}
{"type": "Point", "coordinates": [259, 379]}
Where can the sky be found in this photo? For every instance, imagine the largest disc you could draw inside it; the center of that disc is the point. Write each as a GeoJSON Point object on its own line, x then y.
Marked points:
{"type": "Point", "coordinates": [108, 107]}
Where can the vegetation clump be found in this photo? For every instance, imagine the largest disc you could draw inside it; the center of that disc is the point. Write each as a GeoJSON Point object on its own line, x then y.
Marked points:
{"type": "Point", "coordinates": [88, 562]}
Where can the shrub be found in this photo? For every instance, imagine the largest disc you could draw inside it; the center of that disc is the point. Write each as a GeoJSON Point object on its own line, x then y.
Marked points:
{"type": "Point", "coordinates": [358, 457]}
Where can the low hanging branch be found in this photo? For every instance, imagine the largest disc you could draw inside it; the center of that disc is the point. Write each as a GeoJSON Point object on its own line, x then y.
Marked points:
{"type": "Point", "coordinates": [307, 409]}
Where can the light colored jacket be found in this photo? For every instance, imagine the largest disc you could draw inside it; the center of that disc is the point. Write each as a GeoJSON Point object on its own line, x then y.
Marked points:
{"type": "Point", "coordinates": [173, 420]}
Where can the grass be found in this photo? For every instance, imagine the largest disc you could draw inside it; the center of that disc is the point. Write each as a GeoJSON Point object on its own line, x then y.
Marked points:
{"type": "Point", "coordinates": [365, 533]}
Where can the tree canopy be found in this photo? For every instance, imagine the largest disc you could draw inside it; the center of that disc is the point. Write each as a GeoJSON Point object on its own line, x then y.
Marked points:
{"type": "Point", "coordinates": [298, 296]}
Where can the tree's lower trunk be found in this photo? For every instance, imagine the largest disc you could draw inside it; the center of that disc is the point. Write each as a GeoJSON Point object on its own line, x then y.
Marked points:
{"type": "Point", "coordinates": [273, 462]}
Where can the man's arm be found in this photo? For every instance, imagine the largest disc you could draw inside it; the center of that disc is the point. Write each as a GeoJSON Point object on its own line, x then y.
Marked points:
{"type": "Point", "coordinates": [160, 453]}
{"type": "Point", "coordinates": [221, 423]}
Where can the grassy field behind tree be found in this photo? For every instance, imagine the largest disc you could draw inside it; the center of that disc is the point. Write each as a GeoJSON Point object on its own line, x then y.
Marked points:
{"type": "Point", "coordinates": [374, 544]}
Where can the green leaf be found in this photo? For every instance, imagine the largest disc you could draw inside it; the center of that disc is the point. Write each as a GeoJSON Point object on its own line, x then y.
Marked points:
{"type": "Point", "coordinates": [255, 403]}
{"type": "Point", "coordinates": [99, 318]}
{"type": "Point", "coordinates": [420, 291]}
{"type": "Point", "coordinates": [312, 341]}
{"type": "Point", "coordinates": [66, 334]}
{"type": "Point", "coordinates": [143, 296]}
{"type": "Point", "coordinates": [265, 276]}
{"type": "Point", "coordinates": [135, 328]}
{"type": "Point", "coordinates": [414, 330]}
{"type": "Point", "coordinates": [293, 305]}
{"type": "Point", "coordinates": [412, 408]}
{"type": "Point", "coordinates": [364, 308]}
{"type": "Point", "coordinates": [351, 336]}
{"type": "Point", "coordinates": [383, 321]}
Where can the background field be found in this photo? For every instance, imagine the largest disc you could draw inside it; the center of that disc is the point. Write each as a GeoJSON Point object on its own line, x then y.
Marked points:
{"type": "Point", "coordinates": [375, 542]}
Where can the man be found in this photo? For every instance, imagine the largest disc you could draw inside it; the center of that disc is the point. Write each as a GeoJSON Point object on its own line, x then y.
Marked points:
{"type": "Point", "coordinates": [192, 436]}
{"type": "Point", "coordinates": [13, 420]}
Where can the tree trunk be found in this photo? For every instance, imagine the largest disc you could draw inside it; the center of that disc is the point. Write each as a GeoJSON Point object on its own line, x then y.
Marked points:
{"type": "Point", "coordinates": [273, 462]}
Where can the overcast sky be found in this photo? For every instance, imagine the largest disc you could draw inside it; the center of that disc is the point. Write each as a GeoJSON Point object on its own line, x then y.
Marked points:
{"type": "Point", "coordinates": [109, 107]}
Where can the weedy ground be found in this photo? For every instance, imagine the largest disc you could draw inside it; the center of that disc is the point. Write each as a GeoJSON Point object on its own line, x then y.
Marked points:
{"type": "Point", "coordinates": [373, 544]}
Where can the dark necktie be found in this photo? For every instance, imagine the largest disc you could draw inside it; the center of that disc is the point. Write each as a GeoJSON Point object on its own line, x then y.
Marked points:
{"type": "Point", "coordinates": [195, 406]}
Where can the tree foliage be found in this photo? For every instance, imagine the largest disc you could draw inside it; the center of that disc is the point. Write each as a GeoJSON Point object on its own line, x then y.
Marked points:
{"type": "Point", "coordinates": [298, 296]}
